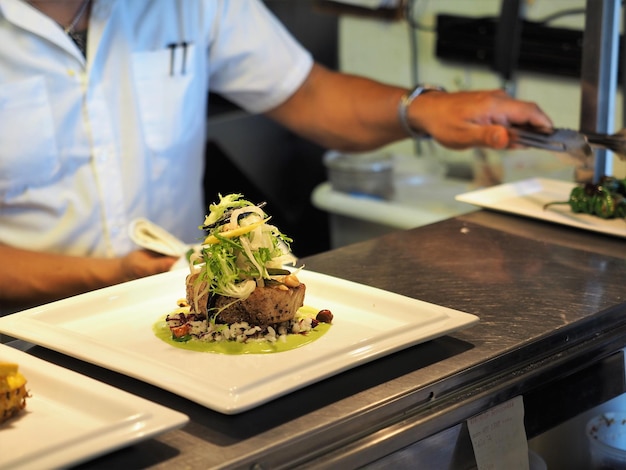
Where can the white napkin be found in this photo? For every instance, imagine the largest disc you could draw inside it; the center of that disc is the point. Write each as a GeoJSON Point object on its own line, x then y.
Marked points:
{"type": "Point", "coordinates": [152, 237]}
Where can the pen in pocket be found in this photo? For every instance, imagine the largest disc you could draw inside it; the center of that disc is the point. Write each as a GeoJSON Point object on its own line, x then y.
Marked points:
{"type": "Point", "coordinates": [173, 47]}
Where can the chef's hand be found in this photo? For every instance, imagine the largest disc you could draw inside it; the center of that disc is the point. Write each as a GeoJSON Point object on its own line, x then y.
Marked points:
{"type": "Point", "coordinates": [467, 119]}
{"type": "Point", "coordinates": [142, 263]}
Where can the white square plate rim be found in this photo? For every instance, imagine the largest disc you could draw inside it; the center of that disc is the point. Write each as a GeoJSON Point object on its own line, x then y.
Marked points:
{"type": "Point", "coordinates": [323, 358]}
{"type": "Point", "coordinates": [527, 198]}
{"type": "Point", "coordinates": [122, 419]}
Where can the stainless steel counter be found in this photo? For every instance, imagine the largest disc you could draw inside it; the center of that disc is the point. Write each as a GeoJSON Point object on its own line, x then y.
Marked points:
{"type": "Point", "coordinates": [552, 305]}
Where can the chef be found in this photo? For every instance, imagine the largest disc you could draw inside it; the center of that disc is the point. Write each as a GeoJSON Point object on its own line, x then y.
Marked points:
{"type": "Point", "coordinates": [102, 121]}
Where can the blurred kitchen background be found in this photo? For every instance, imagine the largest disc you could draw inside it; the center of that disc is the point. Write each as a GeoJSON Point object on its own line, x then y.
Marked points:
{"type": "Point", "coordinates": [452, 43]}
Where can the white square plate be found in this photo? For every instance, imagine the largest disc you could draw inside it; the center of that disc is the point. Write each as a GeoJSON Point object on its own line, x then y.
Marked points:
{"type": "Point", "coordinates": [70, 418]}
{"type": "Point", "coordinates": [528, 197]}
{"type": "Point", "coordinates": [112, 328]}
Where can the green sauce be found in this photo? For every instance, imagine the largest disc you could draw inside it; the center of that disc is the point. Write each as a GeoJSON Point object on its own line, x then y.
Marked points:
{"type": "Point", "coordinates": [293, 341]}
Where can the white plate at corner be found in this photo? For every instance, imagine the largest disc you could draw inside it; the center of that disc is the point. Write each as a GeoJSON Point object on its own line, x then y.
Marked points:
{"type": "Point", "coordinates": [112, 328]}
{"type": "Point", "coordinates": [70, 418]}
{"type": "Point", "coordinates": [528, 197]}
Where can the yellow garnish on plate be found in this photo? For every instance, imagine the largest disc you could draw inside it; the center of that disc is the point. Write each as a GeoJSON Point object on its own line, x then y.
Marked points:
{"type": "Point", "coordinates": [237, 232]}
{"type": "Point", "coordinates": [13, 392]}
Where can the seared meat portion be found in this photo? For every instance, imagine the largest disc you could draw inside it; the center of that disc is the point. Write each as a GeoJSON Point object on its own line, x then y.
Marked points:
{"type": "Point", "coordinates": [265, 306]}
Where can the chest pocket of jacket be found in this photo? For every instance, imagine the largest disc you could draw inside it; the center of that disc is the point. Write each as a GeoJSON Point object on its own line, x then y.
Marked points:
{"type": "Point", "coordinates": [170, 103]}
{"type": "Point", "coordinates": [28, 149]}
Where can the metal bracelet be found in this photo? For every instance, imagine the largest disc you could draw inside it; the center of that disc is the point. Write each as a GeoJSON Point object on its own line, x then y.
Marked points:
{"type": "Point", "coordinates": [405, 102]}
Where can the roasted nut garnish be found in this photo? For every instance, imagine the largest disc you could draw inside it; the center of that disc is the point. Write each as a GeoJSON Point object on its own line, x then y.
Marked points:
{"type": "Point", "coordinates": [324, 316]}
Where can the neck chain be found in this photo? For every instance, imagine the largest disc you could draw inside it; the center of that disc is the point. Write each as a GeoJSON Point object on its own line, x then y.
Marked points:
{"type": "Point", "coordinates": [79, 14]}
{"type": "Point", "coordinates": [69, 29]}
{"type": "Point", "coordinates": [79, 37]}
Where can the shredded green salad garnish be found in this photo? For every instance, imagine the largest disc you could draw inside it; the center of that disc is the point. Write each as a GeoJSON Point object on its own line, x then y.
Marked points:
{"type": "Point", "coordinates": [241, 250]}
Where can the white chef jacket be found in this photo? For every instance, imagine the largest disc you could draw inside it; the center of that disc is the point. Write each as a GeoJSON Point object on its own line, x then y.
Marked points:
{"type": "Point", "coordinates": [86, 146]}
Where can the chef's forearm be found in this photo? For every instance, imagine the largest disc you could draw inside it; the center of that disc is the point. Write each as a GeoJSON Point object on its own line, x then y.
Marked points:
{"type": "Point", "coordinates": [32, 278]}
{"type": "Point", "coordinates": [343, 112]}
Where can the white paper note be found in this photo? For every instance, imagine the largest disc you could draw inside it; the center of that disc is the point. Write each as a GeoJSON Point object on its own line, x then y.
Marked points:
{"type": "Point", "coordinates": [499, 437]}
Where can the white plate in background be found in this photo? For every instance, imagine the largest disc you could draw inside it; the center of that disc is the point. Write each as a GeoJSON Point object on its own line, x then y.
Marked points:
{"type": "Point", "coordinates": [70, 418]}
{"type": "Point", "coordinates": [528, 197]}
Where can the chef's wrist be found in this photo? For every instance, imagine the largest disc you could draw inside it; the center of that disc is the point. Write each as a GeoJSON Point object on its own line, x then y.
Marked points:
{"type": "Point", "coordinates": [405, 103]}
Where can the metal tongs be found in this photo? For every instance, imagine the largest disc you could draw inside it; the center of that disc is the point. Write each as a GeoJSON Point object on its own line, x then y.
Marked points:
{"type": "Point", "coordinates": [577, 144]}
